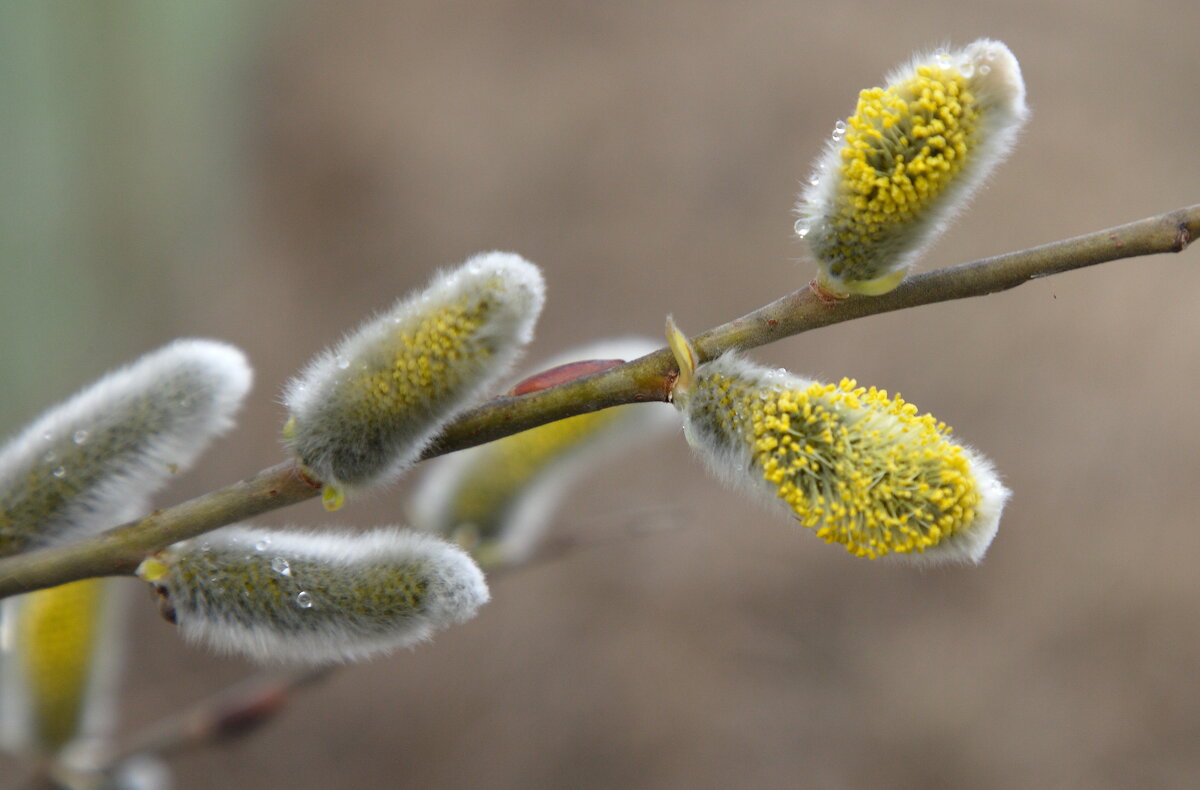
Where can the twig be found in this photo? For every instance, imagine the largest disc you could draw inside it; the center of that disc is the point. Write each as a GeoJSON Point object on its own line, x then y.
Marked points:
{"type": "Point", "coordinates": [120, 550]}
{"type": "Point", "coordinates": [230, 713]}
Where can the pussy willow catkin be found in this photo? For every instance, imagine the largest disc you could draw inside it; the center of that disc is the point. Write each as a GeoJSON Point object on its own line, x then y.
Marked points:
{"type": "Point", "coordinates": [907, 160]}
{"type": "Point", "coordinates": [361, 412]}
{"type": "Point", "coordinates": [859, 467]}
{"type": "Point", "coordinates": [93, 461]}
{"type": "Point", "coordinates": [58, 668]}
{"type": "Point", "coordinates": [294, 597]}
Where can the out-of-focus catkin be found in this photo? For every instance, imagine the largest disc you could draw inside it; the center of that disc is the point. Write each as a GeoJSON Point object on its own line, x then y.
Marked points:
{"type": "Point", "coordinates": [498, 497]}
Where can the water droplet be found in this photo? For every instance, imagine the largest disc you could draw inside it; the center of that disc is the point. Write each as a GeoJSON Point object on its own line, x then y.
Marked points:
{"type": "Point", "coordinates": [984, 70]}
{"type": "Point", "coordinates": [342, 362]}
{"type": "Point", "coordinates": [80, 436]}
{"type": "Point", "coordinates": [59, 472]}
{"type": "Point", "coordinates": [304, 600]}
{"type": "Point", "coordinates": [801, 228]}
{"type": "Point", "coordinates": [281, 566]}
{"type": "Point", "coordinates": [814, 179]}
{"type": "Point", "coordinates": [48, 436]}
{"type": "Point", "coordinates": [839, 130]}
{"type": "Point", "coordinates": [50, 457]}
{"type": "Point", "coordinates": [262, 544]}
{"type": "Point", "coordinates": [967, 69]}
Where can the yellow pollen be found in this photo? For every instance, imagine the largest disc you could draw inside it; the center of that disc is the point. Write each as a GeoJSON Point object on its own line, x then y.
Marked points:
{"type": "Point", "coordinates": [904, 145]}
{"type": "Point", "coordinates": [421, 369]}
{"type": "Point", "coordinates": [862, 469]}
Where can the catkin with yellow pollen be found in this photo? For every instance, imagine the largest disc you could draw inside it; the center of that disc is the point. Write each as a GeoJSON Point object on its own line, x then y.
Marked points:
{"type": "Point", "coordinates": [363, 411]}
{"type": "Point", "coordinates": [861, 468]}
{"type": "Point", "coordinates": [906, 161]}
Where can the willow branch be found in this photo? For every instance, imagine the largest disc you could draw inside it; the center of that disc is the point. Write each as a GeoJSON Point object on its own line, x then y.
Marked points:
{"type": "Point", "coordinates": [120, 550]}
{"type": "Point", "coordinates": [227, 714]}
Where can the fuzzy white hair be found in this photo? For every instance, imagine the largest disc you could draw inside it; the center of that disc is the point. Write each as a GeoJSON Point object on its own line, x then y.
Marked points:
{"type": "Point", "coordinates": [994, 78]}
{"type": "Point", "coordinates": [313, 598]}
{"type": "Point", "coordinates": [731, 458]}
{"type": "Point", "coordinates": [94, 460]}
{"type": "Point", "coordinates": [351, 447]}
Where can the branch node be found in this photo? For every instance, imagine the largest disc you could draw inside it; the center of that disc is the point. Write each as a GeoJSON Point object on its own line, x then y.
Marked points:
{"type": "Point", "coordinates": [308, 479]}
{"type": "Point", "coordinates": [1183, 237]}
{"type": "Point", "coordinates": [669, 385]}
{"type": "Point", "coordinates": [824, 296]}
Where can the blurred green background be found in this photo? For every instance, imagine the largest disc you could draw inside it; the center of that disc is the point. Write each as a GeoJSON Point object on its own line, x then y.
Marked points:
{"type": "Point", "coordinates": [268, 173]}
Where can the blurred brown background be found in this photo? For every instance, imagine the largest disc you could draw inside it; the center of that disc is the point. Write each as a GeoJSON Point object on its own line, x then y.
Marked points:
{"type": "Point", "coordinates": [270, 173]}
